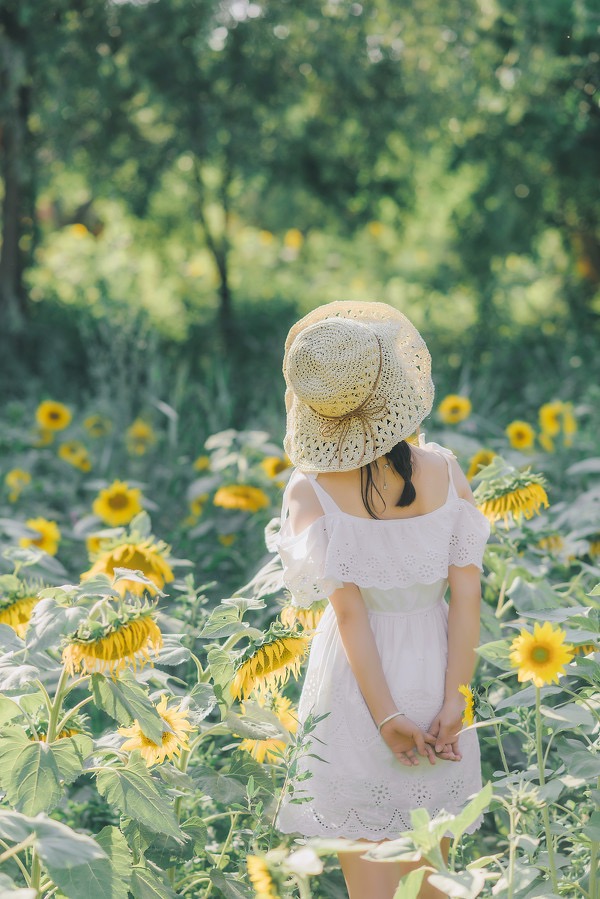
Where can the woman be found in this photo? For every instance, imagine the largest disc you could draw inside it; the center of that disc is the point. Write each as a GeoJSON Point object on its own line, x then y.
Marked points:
{"type": "Point", "coordinates": [381, 527]}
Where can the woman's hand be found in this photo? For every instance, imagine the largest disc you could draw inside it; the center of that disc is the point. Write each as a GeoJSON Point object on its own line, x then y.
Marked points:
{"type": "Point", "coordinates": [445, 728]}
{"type": "Point", "coordinates": [406, 739]}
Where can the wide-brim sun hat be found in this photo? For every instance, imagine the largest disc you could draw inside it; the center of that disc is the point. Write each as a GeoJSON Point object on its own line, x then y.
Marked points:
{"type": "Point", "coordinates": [358, 379]}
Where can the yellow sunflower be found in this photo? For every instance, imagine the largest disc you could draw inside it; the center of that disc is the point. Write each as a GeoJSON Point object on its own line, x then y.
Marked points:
{"type": "Point", "coordinates": [48, 535]}
{"type": "Point", "coordinates": [75, 453]}
{"type": "Point", "coordinates": [269, 749]}
{"type": "Point", "coordinates": [16, 480]}
{"type": "Point", "coordinates": [52, 416]}
{"type": "Point", "coordinates": [43, 437]}
{"type": "Point", "coordinates": [584, 649]}
{"type": "Point", "coordinates": [97, 426]}
{"type": "Point", "coordinates": [540, 656]}
{"type": "Point", "coordinates": [550, 415]}
{"type": "Point", "coordinates": [118, 504]}
{"type": "Point", "coordinates": [504, 491]}
{"type": "Point", "coordinates": [139, 437]}
{"type": "Point", "coordinates": [594, 548]}
{"type": "Point", "coordinates": [293, 239]}
{"type": "Point", "coordinates": [242, 497]}
{"type": "Point", "coordinates": [520, 434]}
{"type": "Point", "coordinates": [546, 442]}
{"type": "Point", "coordinates": [147, 556]}
{"type": "Point", "coordinates": [260, 878]}
{"type": "Point", "coordinates": [196, 507]}
{"type": "Point", "coordinates": [202, 463]}
{"type": "Point", "coordinates": [176, 728]}
{"type": "Point", "coordinates": [454, 408]}
{"type": "Point", "coordinates": [481, 458]}
{"type": "Point", "coordinates": [112, 647]}
{"type": "Point", "coordinates": [227, 540]}
{"type": "Point", "coordinates": [16, 610]}
{"type": "Point", "coordinates": [552, 543]}
{"type": "Point", "coordinates": [268, 665]}
{"type": "Point", "coordinates": [307, 617]}
{"type": "Point", "coordinates": [94, 543]}
{"type": "Point", "coordinates": [274, 465]}
{"type": "Point", "coordinates": [469, 713]}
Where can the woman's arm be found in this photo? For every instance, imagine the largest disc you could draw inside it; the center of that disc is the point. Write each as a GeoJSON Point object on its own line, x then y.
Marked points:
{"type": "Point", "coordinates": [401, 734]}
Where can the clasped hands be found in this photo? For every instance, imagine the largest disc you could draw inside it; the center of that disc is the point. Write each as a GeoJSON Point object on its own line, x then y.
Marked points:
{"type": "Point", "coordinates": [407, 740]}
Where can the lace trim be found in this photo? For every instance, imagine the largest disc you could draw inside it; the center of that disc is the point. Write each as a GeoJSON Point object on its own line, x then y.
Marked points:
{"type": "Point", "coordinates": [336, 549]}
{"type": "Point", "coordinates": [308, 825]}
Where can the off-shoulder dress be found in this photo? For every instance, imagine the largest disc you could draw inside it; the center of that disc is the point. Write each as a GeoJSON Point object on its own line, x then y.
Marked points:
{"type": "Point", "coordinates": [359, 789]}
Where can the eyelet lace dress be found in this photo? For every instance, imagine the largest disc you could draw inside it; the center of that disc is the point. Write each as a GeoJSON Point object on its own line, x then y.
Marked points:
{"type": "Point", "coordinates": [358, 788]}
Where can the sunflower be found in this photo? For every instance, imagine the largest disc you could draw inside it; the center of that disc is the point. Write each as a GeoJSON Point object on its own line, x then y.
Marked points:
{"type": "Point", "coordinates": [146, 555]}
{"type": "Point", "coordinates": [553, 543]}
{"type": "Point", "coordinates": [95, 543]}
{"type": "Point", "coordinates": [546, 442]}
{"type": "Point", "coordinates": [541, 656]}
{"type": "Point", "coordinates": [469, 714]}
{"type": "Point", "coordinates": [268, 664]}
{"type": "Point", "coordinates": [16, 606]}
{"type": "Point", "coordinates": [75, 453]}
{"type": "Point", "coordinates": [520, 434]}
{"type": "Point", "coordinates": [584, 649]}
{"type": "Point", "coordinates": [274, 465]}
{"type": "Point", "coordinates": [52, 416]}
{"type": "Point", "coordinates": [176, 727]}
{"type": "Point", "coordinates": [16, 480]}
{"type": "Point", "coordinates": [550, 415]}
{"type": "Point", "coordinates": [481, 458]}
{"type": "Point", "coordinates": [293, 239]}
{"type": "Point", "coordinates": [269, 749]}
{"type": "Point", "coordinates": [505, 491]}
{"type": "Point", "coordinates": [196, 507]}
{"type": "Point", "coordinates": [308, 617]}
{"type": "Point", "coordinates": [227, 540]}
{"type": "Point", "coordinates": [43, 437]}
{"type": "Point", "coordinates": [454, 408]}
{"type": "Point", "coordinates": [202, 463]}
{"type": "Point", "coordinates": [241, 496]}
{"type": "Point", "coordinates": [139, 437]}
{"type": "Point", "coordinates": [127, 640]}
{"type": "Point", "coordinates": [594, 548]}
{"type": "Point", "coordinates": [260, 878]}
{"type": "Point", "coordinates": [118, 504]}
{"type": "Point", "coordinates": [48, 535]}
{"type": "Point", "coordinates": [97, 426]}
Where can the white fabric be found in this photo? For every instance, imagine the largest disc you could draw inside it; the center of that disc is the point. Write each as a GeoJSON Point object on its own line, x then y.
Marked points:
{"type": "Point", "coordinates": [357, 788]}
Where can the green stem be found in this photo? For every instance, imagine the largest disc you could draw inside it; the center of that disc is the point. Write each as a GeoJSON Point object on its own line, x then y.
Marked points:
{"type": "Point", "coordinates": [36, 873]}
{"type": "Point", "coordinates": [512, 850]}
{"type": "Point", "coordinates": [251, 632]}
{"type": "Point", "coordinates": [192, 884]}
{"type": "Point", "coordinates": [71, 712]}
{"type": "Point", "coordinates": [541, 769]}
{"type": "Point", "coordinates": [304, 891]}
{"type": "Point", "coordinates": [501, 748]}
{"type": "Point", "coordinates": [234, 819]}
{"type": "Point", "coordinates": [16, 858]}
{"type": "Point", "coordinates": [500, 605]}
{"type": "Point", "coordinates": [18, 847]}
{"type": "Point", "coordinates": [594, 883]}
{"type": "Point", "coordinates": [582, 700]}
{"type": "Point", "coordinates": [56, 706]}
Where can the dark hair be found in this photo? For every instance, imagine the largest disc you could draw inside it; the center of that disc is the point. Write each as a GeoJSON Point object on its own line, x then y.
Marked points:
{"type": "Point", "coordinates": [401, 458]}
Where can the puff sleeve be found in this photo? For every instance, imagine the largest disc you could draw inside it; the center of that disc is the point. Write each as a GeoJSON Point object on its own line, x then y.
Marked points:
{"type": "Point", "coordinates": [304, 557]}
{"type": "Point", "coordinates": [469, 535]}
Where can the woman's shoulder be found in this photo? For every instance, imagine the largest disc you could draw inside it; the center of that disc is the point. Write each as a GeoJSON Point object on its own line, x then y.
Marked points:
{"type": "Point", "coordinates": [302, 502]}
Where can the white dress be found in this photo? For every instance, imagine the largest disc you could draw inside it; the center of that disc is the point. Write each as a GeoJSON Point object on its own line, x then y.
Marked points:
{"type": "Point", "coordinates": [358, 788]}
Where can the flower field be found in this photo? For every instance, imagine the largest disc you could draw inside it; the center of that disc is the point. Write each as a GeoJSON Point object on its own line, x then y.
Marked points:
{"type": "Point", "coordinates": [150, 663]}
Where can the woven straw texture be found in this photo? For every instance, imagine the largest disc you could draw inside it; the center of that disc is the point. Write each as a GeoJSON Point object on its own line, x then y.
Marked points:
{"type": "Point", "coordinates": [358, 379]}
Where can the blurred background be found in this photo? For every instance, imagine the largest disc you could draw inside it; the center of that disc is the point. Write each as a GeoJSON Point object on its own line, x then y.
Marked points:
{"type": "Point", "coordinates": [181, 179]}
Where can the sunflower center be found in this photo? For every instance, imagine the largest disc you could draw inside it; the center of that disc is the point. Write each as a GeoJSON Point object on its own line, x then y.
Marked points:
{"type": "Point", "coordinates": [118, 501]}
{"type": "Point", "coordinates": [540, 654]}
{"type": "Point", "coordinates": [54, 414]}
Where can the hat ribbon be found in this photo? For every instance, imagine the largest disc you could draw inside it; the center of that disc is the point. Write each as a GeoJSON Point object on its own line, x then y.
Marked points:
{"type": "Point", "coordinates": [337, 427]}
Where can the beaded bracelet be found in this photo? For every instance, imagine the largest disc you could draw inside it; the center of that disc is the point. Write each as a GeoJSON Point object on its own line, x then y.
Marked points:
{"type": "Point", "coordinates": [389, 718]}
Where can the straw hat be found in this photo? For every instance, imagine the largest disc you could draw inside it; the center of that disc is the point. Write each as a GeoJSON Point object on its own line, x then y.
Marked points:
{"type": "Point", "coordinates": [358, 379]}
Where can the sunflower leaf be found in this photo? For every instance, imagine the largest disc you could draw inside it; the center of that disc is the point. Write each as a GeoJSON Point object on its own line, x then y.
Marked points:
{"type": "Point", "coordinates": [99, 878]}
{"type": "Point", "coordinates": [229, 886]}
{"type": "Point", "coordinates": [50, 621]}
{"type": "Point", "coordinates": [223, 622]}
{"type": "Point", "coordinates": [125, 700]}
{"type": "Point", "coordinates": [146, 885]}
{"type": "Point", "coordinates": [497, 652]}
{"type": "Point", "coordinates": [133, 791]}
{"type": "Point", "coordinates": [9, 889]}
{"type": "Point", "coordinates": [28, 772]}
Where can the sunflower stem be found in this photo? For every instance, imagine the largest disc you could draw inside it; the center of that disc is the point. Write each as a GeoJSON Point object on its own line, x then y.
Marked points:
{"type": "Point", "coordinates": [500, 605]}
{"type": "Point", "coordinates": [56, 706]}
{"type": "Point", "coordinates": [36, 873]}
{"type": "Point", "coordinates": [594, 885]}
{"type": "Point", "coordinates": [541, 770]}
{"type": "Point", "coordinates": [224, 848]}
{"type": "Point", "coordinates": [252, 632]}
{"type": "Point", "coordinates": [18, 847]}
{"type": "Point", "coordinates": [304, 891]}
{"type": "Point", "coordinates": [512, 850]}
{"type": "Point", "coordinates": [18, 861]}
{"type": "Point", "coordinates": [71, 712]}
{"type": "Point", "coordinates": [501, 748]}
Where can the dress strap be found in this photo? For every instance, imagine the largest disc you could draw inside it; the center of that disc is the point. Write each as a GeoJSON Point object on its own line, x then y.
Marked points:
{"type": "Point", "coordinates": [448, 456]}
{"type": "Point", "coordinates": [328, 504]}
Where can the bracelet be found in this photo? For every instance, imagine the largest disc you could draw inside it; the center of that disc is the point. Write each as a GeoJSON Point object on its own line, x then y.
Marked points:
{"type": "Point", "coordinates": [389, 718]}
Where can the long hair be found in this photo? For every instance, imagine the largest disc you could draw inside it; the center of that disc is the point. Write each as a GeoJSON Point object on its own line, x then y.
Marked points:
{"type": "Point", "coordinates": [401, 458]}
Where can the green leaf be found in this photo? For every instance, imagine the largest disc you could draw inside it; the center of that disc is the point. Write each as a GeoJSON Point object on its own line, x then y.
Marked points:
{"type": "Point", "coordinates": [243, 767]}
{"type": "Point", "coordinates": [14, 827]}
{"type": "Point", "coordinates": [102, 878]}
{"type": "Point", "coordinates": [221, 667]}
{"type": "Point", "coordinates": [9, 889]}
{"type": "Point", "coordinates": [568, 717]}
{"type": "Point", "coordinates": [223, 622]}
{"type": "Point", "coordinates": [50, 622]}
{"type": "Point", "coordinates": [70, 754]}
{"type": "Point", "coordinates": [592, 828]}
{"type": "Point", "coordinates": [580, 762]}
{"type": "Point", "coordinates": [133, 791]}
{"type": "Point", "coordinates": [195, 829]}
{"type": "Point", "coordinates": [28, 772]}
{"type": "Point", "coordinates": [526, 697]}
{"type": "Point", "coordinates": [409, 886]}
{"type": "Point", "coordinates": [14, 675]}
{"type": "Point", "coordinates": [165, 852]}
{"type": "Point", "coordinates": [9, 710]}
{"type": "Point", "coordinates": [60, 848]}
{"type": "Point", "coordinates": [146, 885]}
{"type": "Point", "coordinates": [202, 701]}
{"type": "Point", "coordinates": [125, 700]}
{"type": "Point", "coordinates": [497, 652]}
{"type": "Point", "coordinates": [229, 886]}
{"type": "Point", "coordinates": [471, 811]}
{"type": "Point", "coordinates": [466, 885]}
{"type": "Point", "coordinates": [530, 596]}
{"type": "Point", "coordinates": [172, 653]}
{"type": "Point", "coordinates": [257, 723]}
{"type": "Point", "coordinates": [218, 786]}
{"type": "Point", "coordinates": [9, 641]}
